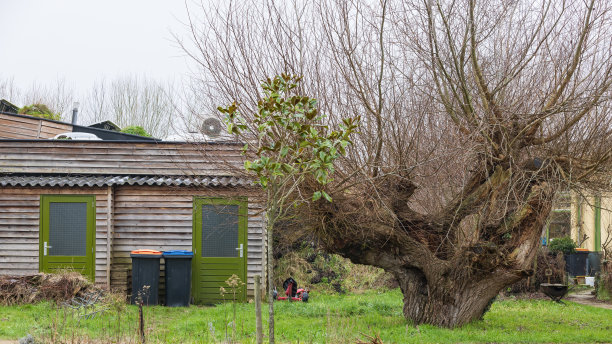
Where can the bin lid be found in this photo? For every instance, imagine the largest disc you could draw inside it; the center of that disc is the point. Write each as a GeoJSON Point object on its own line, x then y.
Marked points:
{"type": "Point", "coordinates": [582, 250]}
{"type": "Point", "coordinates": [146, 252]}
{"type": "Point", "coordinates": [178, 253]}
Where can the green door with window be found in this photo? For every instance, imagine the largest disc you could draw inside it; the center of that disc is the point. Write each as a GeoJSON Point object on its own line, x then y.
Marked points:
{"type": "Point", "coordinates": [67, 234]}
{"type": "Point", "coordinates": [219, 248]}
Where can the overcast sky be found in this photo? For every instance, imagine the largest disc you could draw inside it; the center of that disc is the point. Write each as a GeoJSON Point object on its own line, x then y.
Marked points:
{"type": "Point", "coordinates": [86, 40]}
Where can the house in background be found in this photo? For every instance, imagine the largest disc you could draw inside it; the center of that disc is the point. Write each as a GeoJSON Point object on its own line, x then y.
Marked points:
{"type": "Point", "coordinates": [587, 220]}
{"type": "Point", "coordinates": [106, 125]}
{"type": "Point", "coordinates": [592, 221]}
{"type": "Point", "coordinates": [85, 205]}
{"type": "Point", "coordinates": [14, 126]}
{"type": "Point", "coordinates": [6, 106]}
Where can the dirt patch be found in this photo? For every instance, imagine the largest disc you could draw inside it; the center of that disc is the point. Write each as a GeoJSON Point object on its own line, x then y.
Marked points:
{"type": "Point", "coordinates": [34, 288]}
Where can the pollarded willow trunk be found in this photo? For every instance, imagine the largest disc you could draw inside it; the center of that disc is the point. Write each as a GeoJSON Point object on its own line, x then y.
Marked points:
{"type": "Point", "coordinates": [448, 302]}
{"type": "Point", "coordinates": [445, 282]}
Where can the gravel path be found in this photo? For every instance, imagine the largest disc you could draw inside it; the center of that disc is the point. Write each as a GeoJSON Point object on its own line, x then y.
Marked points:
{"type": "Point", "coordinates": [586, 298]}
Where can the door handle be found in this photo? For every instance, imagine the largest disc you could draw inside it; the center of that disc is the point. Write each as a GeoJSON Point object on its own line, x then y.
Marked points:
{"type": "Point", "coordinates": [45, 247]}
{"type": "Point", "coordinates": [241, 249]}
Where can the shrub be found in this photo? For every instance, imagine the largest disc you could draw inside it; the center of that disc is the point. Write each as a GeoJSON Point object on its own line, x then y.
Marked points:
{"type": "Point", "coordinates": [329, 273]}
{"type": "Point", "coordinates": [40, 111]}
{"type": "Point", "coordinates": [135, 130]}
{"type": "Point", "coordinates": [565, 245]}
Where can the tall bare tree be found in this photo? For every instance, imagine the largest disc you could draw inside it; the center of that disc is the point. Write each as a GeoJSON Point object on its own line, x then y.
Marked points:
{"type": "Point", "coordinates": [473, 115]}
{"type": "Point", "coordinates": [8, 89]}
{"type": "Point", "coordinates": [133, 101]}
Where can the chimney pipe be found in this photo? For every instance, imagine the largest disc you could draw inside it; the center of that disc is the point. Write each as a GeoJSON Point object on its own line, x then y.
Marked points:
{"type": "Point", "coordinates": [75, 112]}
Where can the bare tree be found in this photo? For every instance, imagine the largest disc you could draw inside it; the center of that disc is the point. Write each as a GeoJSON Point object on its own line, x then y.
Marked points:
{"type": "Point", "coordinates": [133, 101]}
{"type": "Point", "coordinates": [58, 96]}
{"type": "Point", "coordinates": [96, 104]}
{"type": "Point", "coordinates": [473, 115]}
{"type": "Point", "coordinates": [8, 90]}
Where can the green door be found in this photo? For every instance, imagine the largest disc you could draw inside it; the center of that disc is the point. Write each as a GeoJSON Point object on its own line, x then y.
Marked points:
{"type": "Point", "coordinates": [219, 247]}
{"type": "Point", "coordinates": [67, 234]}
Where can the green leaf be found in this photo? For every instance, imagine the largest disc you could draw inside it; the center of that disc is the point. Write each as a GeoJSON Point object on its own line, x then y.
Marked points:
{"type": "Point", "coordinates": [327, 197]}
{"type": "Point", "coordinates": [284, 151]}
{"type": "Point", "coordinates": [316, 196]}
{"type": "Point", "coordinates": [287, 168]}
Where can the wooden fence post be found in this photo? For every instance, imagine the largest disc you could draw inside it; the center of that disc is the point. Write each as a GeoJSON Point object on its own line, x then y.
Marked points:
{"type": "Point", "coordinates": [258, 324]}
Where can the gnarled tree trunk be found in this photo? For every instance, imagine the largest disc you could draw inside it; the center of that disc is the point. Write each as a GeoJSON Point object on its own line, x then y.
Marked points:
{"type": "Point", "coordinates": [445, 281]}
{"type": "Point", "coordinates": [450, 303]}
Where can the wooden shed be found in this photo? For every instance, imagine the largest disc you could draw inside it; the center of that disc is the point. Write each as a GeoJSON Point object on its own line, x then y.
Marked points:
{"type": "Point", "coordinates": [85, 205]}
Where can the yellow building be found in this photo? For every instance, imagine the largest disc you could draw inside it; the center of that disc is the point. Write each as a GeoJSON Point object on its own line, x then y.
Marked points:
{"type": "Point", "coordinates": [587, 220]}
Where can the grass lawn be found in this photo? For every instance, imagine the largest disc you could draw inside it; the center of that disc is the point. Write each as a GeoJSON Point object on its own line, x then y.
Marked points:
{"type": "Point", "coordinates": [325, 319]}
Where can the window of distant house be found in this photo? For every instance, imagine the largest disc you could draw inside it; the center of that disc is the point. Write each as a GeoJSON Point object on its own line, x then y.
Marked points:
{"type": "Point", "coordinates": [560, 219]}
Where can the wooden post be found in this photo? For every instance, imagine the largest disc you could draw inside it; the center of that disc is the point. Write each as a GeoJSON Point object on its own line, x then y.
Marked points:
{"type": "Point", "coordinates": [109, 234]}
{"type": "Point", "coordinates": [258, 324]}
{"type": "Point", "coordinates": [141, 323]}
{"type": "Point", "coordinates": [39, 128]}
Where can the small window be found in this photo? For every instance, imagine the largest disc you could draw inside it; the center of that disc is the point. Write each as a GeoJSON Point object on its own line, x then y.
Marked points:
{"type": "Point", "coordinates": [67, 229]}
{"type": "Point", "coordinates": [219, 230]}
{"type": "Point", "coordinates": [559, 224]}
{"type": "Point", "coordinates": [560, 219]}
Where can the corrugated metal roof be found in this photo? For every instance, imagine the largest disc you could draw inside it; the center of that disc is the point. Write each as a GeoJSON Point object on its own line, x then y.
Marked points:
{"type": "Point", "coordinates": [50, 180]}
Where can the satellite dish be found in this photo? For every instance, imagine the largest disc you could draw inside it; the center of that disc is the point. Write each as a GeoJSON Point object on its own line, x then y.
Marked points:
{"type": "Point", "coordinates": [211, 127]}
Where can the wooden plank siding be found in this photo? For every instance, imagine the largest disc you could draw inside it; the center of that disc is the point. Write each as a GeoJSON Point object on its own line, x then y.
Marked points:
{"type": "Point", "coordinates": [153, 217]}
{"type": "Point", "coordinates": [19, 228]}
{"type": "Point", "coordinates": [120, 158]}
{"type": "Point", "coordinates": [26, 127]}
{"type": "Point", "coordinates": [160, 218]}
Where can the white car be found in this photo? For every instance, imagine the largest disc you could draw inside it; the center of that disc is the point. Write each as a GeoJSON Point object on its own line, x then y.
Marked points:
{"type": "Point", "coordinates": [77, 136]}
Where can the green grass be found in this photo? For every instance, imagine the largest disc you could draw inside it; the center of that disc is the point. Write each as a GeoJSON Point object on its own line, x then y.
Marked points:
{"type": "Point", "coordinates": [326, 319]}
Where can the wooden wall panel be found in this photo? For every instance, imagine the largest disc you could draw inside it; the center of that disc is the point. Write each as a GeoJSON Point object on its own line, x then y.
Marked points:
{"type": "Point", "coordinates": [160, 218]}
{"type": "Point", "coordinates": [124, 158]}
{"type": "Point", "coordinates": [18, 127]}
{"type": "Point", "coordinates": [144, 217]}
{"type": "Point", "coordinates": [19, 228]}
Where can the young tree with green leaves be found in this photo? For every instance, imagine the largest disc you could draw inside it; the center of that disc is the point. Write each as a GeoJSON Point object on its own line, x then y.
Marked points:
{"type": "Point", "coordinates": [291, 146]}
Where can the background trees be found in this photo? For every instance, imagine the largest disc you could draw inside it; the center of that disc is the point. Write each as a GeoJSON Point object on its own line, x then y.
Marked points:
{"type": "Point", "coordinates": [130, 101]}
{"type": "Point", "coordinates": [473, 115]}
{"type": "Point", "coordinates": [134, 101]}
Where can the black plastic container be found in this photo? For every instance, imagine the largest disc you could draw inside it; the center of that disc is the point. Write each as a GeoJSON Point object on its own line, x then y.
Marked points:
{"type": "Point", "coordinates": [178, 278]}
{"type": "Point", "coordinates": [575, 263]}
{"type": "Point", "coordinates": [593, 263]}
{"type": "Point", "coordinates": [145, 276]}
